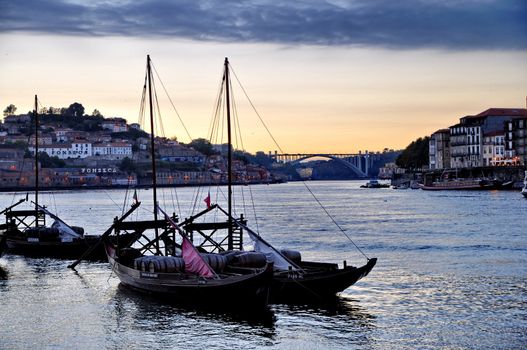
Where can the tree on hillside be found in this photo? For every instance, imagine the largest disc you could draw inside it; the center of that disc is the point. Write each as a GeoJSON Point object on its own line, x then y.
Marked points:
{"type": "Point", "coordinates": [415, 155]}
{"type": "Point", "coordinates": [131, 134]}
{"type": "Point", "coordinates": [203, 146]}
{"type": "Point", "coordinates": [242, 156]}
{"type": "Point", "coordinates": [74, 110]}
{"type": "Point", "coordinates": [53, 110]}
{"type": "Point", "coordinates": [9, 110]}
{"type": "Point", "coordinates": [127, 165]}
{"type": "Point", "coordinates": [50, 162]}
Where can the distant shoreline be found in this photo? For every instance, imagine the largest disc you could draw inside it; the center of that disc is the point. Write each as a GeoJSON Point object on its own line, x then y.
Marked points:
{"type": "Point", "coordinates": [123, 187]}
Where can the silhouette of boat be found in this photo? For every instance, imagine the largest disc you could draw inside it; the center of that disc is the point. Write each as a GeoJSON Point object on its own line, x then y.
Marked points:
{"type": "Point", "coordinates": [166, 264]}
{"type": "Point", "coordinates": [294, 280]}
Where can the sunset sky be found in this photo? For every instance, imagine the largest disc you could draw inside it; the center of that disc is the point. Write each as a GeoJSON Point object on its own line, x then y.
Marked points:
{"type": "Point", "coordinates": [326, 76]}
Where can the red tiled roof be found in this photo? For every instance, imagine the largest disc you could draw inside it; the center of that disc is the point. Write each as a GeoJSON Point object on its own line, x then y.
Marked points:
{"type": "Point", "coordinates": [494, 133]}
{"type": "Point", "coordinates": [508, 112]}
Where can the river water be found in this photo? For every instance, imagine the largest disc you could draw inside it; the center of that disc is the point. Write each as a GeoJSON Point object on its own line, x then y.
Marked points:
{"type": "Point", "coordinates": [452, 273]}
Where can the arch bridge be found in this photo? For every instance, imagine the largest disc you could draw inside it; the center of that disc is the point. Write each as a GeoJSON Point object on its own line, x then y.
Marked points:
{"type": "Point", "coordinates": [359, 163]}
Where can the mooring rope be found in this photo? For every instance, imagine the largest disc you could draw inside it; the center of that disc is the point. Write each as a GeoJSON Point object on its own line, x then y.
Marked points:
{"type": "Point", "coordinates": [305, 184]}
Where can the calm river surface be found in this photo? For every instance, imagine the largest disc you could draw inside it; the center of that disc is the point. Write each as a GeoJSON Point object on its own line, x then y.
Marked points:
{"type": "Point", "coordinates": [452, 273]}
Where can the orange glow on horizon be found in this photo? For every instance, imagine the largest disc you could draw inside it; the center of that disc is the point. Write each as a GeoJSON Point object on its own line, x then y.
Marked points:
{"type": "Point", "coordinates": [313, 99]}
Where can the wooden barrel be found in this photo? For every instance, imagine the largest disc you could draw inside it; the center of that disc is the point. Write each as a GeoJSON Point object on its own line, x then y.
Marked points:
{"type": "Point", "coordinates": [292, 255]}
{"type": "Point", "coordinates": [231, 255]}
{"type": "Point", "coordinates": [164, 264]}
{"type": "Point", "coordinates": [78, 230]}
{"type": "Point", "coordinates": [250, 259]}
{"type": "Point", "coordinates": [216, 261]}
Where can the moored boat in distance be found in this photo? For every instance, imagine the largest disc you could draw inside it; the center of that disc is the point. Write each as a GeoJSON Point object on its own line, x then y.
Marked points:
{"type": "Point", "coordinates": [449, 180]}
{"type": "Point", "coordinates": [375, 184]}
{"type": "Point", "coordinates": [28, 234]}
{"type": "Point", "coordinates": [462, 184]}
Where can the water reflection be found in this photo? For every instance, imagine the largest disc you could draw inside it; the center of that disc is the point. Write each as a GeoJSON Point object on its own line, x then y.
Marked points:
{"type": "Point", "coordinates": [343, 322]}
{"type": "Point", "coordinates": [452, 275]}
{"type": "Point", "coordinates": [172, 321]}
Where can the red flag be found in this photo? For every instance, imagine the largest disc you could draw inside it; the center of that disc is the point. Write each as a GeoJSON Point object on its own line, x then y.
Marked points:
{"type": "Point", "coordinates": [193, 261]}
{"type": "Point", "coordinates": [207, 200]}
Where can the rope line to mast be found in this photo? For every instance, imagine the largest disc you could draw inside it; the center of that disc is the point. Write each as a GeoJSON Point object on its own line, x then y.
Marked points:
{"type": "Point", "coordinates": [172, 103]}
{"type": "Point", "coordinates": [305, 184]}
{"type": "Point", "coordinates": [334, 221]}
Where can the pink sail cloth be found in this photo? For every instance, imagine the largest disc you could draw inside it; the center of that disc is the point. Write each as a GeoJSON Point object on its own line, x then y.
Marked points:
{"type": "Point", "coordinates": [193, 261]}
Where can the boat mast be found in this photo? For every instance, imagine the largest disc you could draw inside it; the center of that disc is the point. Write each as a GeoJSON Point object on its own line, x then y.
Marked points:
{"type": "Point", "coordinates": [229, 155]}
{"type": "Point", "coordinates": [36, 157]}
{"type": "Point", "coordinates": [152, 149]}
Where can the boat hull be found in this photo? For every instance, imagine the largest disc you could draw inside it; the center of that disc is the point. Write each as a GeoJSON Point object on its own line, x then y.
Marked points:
{"type": "Point", "coordinates": [321, 282]}
{"type": "Point", "coordinates": [240, 291]}
{"type": "Point", "coordinates": [20, 245]}
{"type": "Point", "coordinates": [461, 186]}
{"type": "Point", "coordinates": [3, 245]}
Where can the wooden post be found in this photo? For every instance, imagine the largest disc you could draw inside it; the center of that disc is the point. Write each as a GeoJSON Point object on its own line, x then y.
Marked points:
{"type": "Point", "coordinates": [152, 150]}
{"type": "Point", "coordinates": [229, 155]}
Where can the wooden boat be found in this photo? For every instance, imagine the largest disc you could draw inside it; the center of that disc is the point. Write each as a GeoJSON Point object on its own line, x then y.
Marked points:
{"type": "Point", "coordinates": [374, 184]}
{"type": "Point", "coordinates": [449, 180]}
{"type": "Point", "coordinates": [3, 244]}
{"type": "Point", "coordinates": [462, 184]}
{"type": "Point", "coordinates": [168, 275]}
{"type": "Point", "coordinates": [294, 280]}
{"type": "Point", "coordinates": [26, 231]}
{"type": "Point", "coordinates": [164, 262]}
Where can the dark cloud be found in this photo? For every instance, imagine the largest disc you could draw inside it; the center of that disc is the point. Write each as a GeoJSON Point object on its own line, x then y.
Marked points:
{"type": "Point", "coordinates": [450, 24]}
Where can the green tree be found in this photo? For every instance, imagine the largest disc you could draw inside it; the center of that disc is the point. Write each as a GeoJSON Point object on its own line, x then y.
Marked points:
{"type": "Point", "coordinates": [9, 110]}
{"type": "Point", "coordinates": [415, 155]}
{"type": "Point", "coordinates": [50, 162]}
{"type": "Point", "coordinates": [75, 110]}
{"type": "Point", "coordinates": [242, 156]}
{"type": "Point", "coordinates": [96, 113]}
{"type": "Point", "coordinates": [127, 165]}
{"type": "Point", "coordinates": [203, 146]}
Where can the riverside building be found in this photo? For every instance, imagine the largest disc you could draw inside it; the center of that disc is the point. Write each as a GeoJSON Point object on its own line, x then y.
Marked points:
{"type": "Point", "coordinates": [494, 137]}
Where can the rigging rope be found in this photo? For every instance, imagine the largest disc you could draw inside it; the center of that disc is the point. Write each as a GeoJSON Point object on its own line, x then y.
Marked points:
{"type": "Point", "coordinates": [334, 221]}
{"type": "Point", "coordinates": [254, 210]}
{"type": "Point", "coordinates": [305, 184]}
{"type": "Point", "coordinates": [172, 103]}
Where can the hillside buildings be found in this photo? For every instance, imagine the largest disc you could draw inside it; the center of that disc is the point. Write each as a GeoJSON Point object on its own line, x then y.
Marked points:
{"type": "Point", "coordinates": [494, 137]}
{"type": "Point", "coordinates": [100, 151]}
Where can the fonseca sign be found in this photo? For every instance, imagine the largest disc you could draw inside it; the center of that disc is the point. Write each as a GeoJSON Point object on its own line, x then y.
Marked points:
{"type": "Point", "coordinates": [98, 170]}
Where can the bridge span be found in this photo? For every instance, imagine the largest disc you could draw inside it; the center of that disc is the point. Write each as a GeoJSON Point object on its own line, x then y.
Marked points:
{"type": "Point", "coordinates": [359, 163]}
